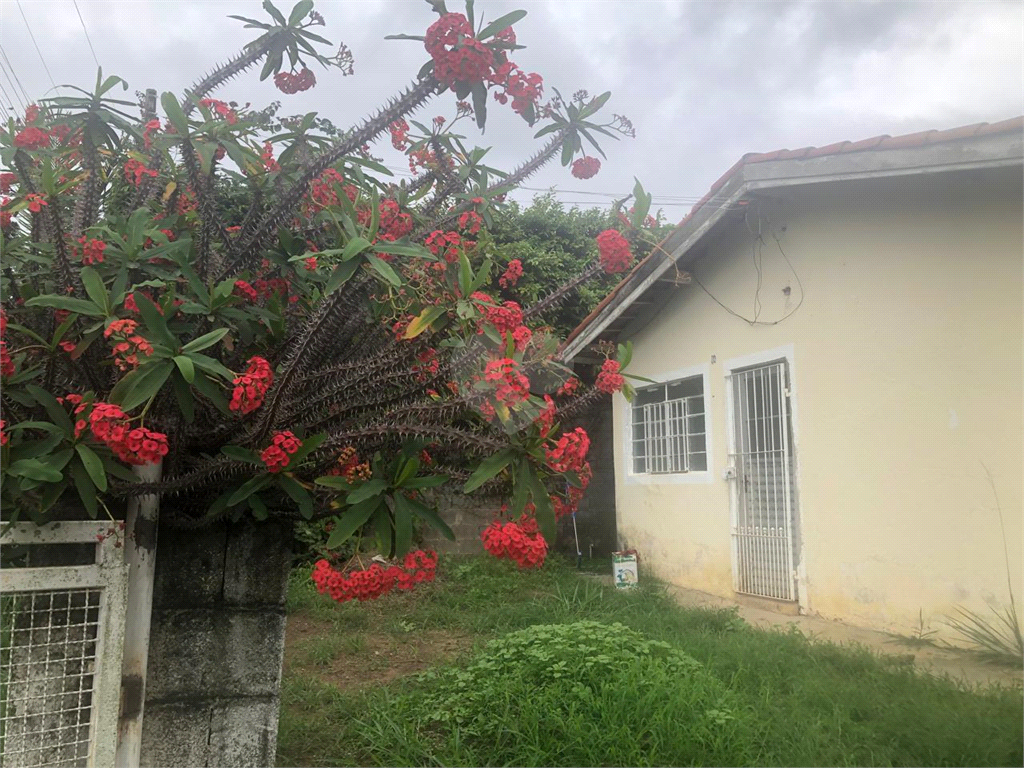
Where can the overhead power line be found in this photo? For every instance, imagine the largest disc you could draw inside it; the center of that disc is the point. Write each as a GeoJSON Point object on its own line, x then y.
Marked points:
{"type": "Point", "coordinates": [87, 38]}
{"type": "Point", "coordinates": [38, 50]}
{"type": "Point", "coordinates": [7, 96]}
{"type": "Point", "coordinates": [14, 72]}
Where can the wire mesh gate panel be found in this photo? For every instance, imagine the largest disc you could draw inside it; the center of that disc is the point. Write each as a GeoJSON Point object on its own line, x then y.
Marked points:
{"type": "Point", "coordinates": [61, 631]}
{"type": "Point", "coordinates": [765, 499]}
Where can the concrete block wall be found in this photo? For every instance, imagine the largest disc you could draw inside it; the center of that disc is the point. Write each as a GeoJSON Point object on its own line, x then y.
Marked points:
{"type": "Point", "coordinates": [216, 646]}
{"type": "Point", "coordinates": [467, 516]}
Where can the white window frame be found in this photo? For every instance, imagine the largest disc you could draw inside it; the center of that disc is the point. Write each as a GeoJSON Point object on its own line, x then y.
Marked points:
{"type": "Point", "coordinates": [626, 425]}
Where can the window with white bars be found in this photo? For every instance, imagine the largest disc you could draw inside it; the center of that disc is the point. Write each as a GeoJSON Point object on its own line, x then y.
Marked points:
{"type": "Point", "coordinates": [669, 433]}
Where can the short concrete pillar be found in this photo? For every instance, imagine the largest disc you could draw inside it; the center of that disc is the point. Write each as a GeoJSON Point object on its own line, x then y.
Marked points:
{"type": "Point", "coordinates": [217, 643]}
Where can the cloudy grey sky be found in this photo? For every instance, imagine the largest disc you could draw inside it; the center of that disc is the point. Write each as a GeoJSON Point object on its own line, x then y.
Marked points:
{"type": "Point", "coordinates": [704, 81]}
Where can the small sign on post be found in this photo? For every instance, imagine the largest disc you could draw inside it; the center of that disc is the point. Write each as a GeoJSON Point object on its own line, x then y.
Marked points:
{"type": "Point", "coordinates": [624, 571]}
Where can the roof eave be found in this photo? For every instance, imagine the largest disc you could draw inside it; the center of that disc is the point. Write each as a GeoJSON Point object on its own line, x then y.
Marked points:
{"type": "Point", "coordinates": [988, 151]}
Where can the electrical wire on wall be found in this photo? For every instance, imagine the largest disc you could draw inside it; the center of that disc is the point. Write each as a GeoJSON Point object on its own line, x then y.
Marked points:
{"type": "Point", "coordinates": [757, 253]}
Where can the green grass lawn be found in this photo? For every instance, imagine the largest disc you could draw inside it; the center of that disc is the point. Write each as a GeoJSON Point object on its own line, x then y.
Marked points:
{"type": "Point", "coordinates": [410, 680]}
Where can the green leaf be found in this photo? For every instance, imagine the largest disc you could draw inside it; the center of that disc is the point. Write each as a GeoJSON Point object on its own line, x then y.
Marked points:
{"type": "Point", "coordinates": [521, 487]}
{"type": "Point", "coordinates": [545, 511]}
{"type": "Point", "coordinates": [241, 454]}
{"type": "Point", "coordinates": [206, 340]}
{"type": "Point", "coordinates": [80, 306]}
{"type": "Point", "coordinates": [148, 384]}
{"type": "Point", "coordinates": [86, 489]}
{"type": "Point", "coordinates": [403, 524]}
{"type": "Point", "coordinates": [625, 353]}
{"type": "Point", "coordinates": [408, 470]}
{"type": "Point", "coordinates": [479, 91]}
{"type": "Point", "coordinates": [94, 287]}
{"type": "Point", "coordinates": [211, 392]}
{"type": "Point", "coordinates": [155, 322]}
{"type": "Point", "coordinates": [500, 23]}
{"type": "Point", "coordinates": [183, 394]}
{"type": "Point", "coordinates": [354, 247]}
{"type": "Point", "coordinates": [423, 321]}
{"type": "Point", "coordinates": [427, 481]}
{"type": "Point", "coordinates": [93, 465]}
{"type": "Point", "coordinates": [210, 365]}
{"type": "Point", "coordinates": [54, 409]}
{"type": "Point", "coordinates": [333, 481]}
{"type": "Point", "coordinates": [248, 488]}
{"type": "Point", "coordinates": [426, 513]}
{"type": "Point", "coordinates": [384, 269]}
{"type": "Point", "coordinates": [299, 495]}
{"type": "Point", "coordinates": [488, 468]}
{"type": "Point", "coordinates": [174, 113]}
{"type": "Point", "coordinates": [367, 490]}
{"type": "Point", "coordinates": [340, 275]}
{"type": "Point", "coordinates": [34, 469]}
{"type": "Point", "coordinates": [276, 14]}
{"type": "Point", "coordinates": [594, 105]}
{"type": "Point", "coordinates": [187, 368]}
{"type": "Point", "coordinates": [465, 274]}
{"type": "Point", "coordinates": [349, 522]}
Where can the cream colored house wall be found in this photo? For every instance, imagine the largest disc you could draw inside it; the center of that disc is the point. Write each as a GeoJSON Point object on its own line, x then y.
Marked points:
{"type": "Point", "coordinates": [907, 354]}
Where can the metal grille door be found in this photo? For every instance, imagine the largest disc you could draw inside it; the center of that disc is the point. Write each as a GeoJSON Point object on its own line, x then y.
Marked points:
{"type": "Point", "coordinates": [765, 497]}
{"type": "Point", "coordinates": [61, 629]}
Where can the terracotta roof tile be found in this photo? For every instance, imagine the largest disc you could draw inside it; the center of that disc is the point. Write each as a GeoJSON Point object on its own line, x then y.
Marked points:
{"type": "Point", "coordinates": [880, 143]}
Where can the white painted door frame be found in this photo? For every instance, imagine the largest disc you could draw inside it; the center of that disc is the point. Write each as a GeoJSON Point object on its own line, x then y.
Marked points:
{"type": "Point", "coordinates": [778, 354]}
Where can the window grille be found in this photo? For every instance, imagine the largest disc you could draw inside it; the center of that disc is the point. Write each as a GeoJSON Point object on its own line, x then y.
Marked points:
{"type": "Point", "coordinates": [669, 431]}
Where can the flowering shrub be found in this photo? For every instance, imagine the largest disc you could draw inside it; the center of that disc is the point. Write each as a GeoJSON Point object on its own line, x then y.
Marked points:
{"type": "Point", "coordinates": [301, 361]}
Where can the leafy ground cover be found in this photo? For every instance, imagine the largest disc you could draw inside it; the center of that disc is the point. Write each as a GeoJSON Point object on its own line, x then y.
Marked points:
{"type": "Point", "coordinates": [479, 668]}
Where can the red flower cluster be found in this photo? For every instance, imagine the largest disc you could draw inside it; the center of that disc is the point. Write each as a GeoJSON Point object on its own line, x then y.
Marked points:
{"type": "Point", "coordinates": [278, 454]}
{"type": "Point", "coordinates": [267, 156]}
{"type": "Point", "coordinates": [505, 317]}
{"type": "Point", "coordinates": [251, 387]}
{"type": "Point", "coordinates": [147, 134]}
{"type": "Point", "coordinates": [289, 83]}
{"type": "Point", "coordinates": [134, 170]}
{"type": "Point", "coordinates": [511, 386]}
{"type": "Point", "coordinates": [614, 252]}
{"type": "Point", "coordinates": [512, 273]}
{"type": "Point", "coordinates": [574, 495]}
{"type": "Point", "coordinates": [458, 56]}
{"type": "Point", "coordinates": [6, 180]}
{"type": "Point", "coordinates": [524, 89]}
{"type": "Point", "coordinates": [92, 250]}
{"type": "Point", "coordinates": [245, 291]}
{"type": "Point", "coordinates": [350, 467]}
{"type": "Point", "coordinates": [570, 452]}
{"type": "Point", "coordinates": [546, 419]}
{"type": "Point", "coordinates": [399, 134]}
{"type": "Point", "coordinates": [586, 167]}
{"type": "Point", "coordinates": [6, 363]}
{"type": "Point", "coordinates": [569, 387]}
{"type": "Point", "coordinates": [325, 193]}
{"type": "Point", "coordinates": [394, 223]}
{"type": "Point", "coordinates": [109, 424]}
{"type": "Point", "coordinates": [518, 541]}
{"type": "Point", "coordinates": [129, 345]}
{"type": "Point", "coordinates": [5, 216]}
{"type": "Point", "coordinates": [609, 380]}
{"type": "Point", "coordinates": [522, 336]}
{"type": "Point", "coordinates": [445, 245]}
{"type": "Point", "coordinates": [371, 583]}
{"type": "Point", "coordinates": [221, 109]}
{"type": "Point", "coordinates": [4, 438]}
{"type": "Point", "coordinates": [35, 202]}
{"type": "Point", "coordinates": [32, 138]}
{"type": "Point", "coordinates": [427, 365]}
{"type": "Point", "coordinates": [471, 221]}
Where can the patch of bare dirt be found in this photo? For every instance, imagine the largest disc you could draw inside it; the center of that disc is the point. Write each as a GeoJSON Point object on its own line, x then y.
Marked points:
{"type": "Point", "coordinates": [369, 658]}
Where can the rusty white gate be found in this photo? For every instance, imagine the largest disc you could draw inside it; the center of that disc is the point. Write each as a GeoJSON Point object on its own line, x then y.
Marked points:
{"type": "Point", "coordinates": [764, 496]}
{"type": "Point", "coordinates": [61, 632]}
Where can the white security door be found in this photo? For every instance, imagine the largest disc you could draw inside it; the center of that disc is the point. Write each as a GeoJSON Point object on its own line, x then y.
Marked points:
{"type": "Point", "coordinates": [764, 499]}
